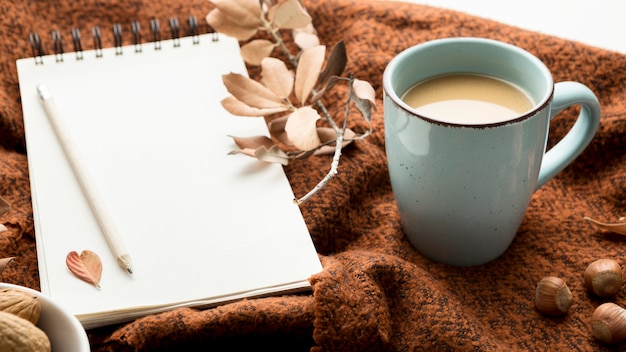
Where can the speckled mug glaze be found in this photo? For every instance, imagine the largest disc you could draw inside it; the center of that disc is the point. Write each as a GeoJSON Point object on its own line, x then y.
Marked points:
{"type": "Point", "coordinates": [462, 190]}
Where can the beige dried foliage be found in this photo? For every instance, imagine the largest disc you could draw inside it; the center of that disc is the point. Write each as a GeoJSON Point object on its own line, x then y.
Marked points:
{"type": "Point", "coordinates": [272, 155]}
{"type": "Point", "coordinates": [246, 12]}
{"type": "Point", "coordinates": [237, 18]}
{"type": "Point", "coordinates": [336, 63]}
{"type": "Point", "coordinates": [306, 37]}
{"type": "Point", "coordinates": [364, 97]}
{"type": "Point", "coordinates": [306, 128]}
{"type": "Point", "coordinates": [4, 262]}
{"type": "Point", "coordinates": [255, 51]}
{"type": "Point", "coordinates": [309, 67]}
{"type": "Point", "coordinates": [364, 91]}
{"type": "Point", "coordinates": [251, 92]}
{"type": "Point", "coordinates": [253, 142]}
{"type": "Point", "coordinates": [328, 136]}
{"type": "Point", "coordinates": [236, 107]}
{"type": "Point", "coordinates": [289, 14]}
{"type": "Point", "coordinates": [269, 155]}
{"type": "Point", "coordinates": [305, 40]}
{"type": "Point", "coordinates": [618, 227]}
{"type": "Point", "coordinates": [260, 147]}
{"type": "Point", "coordinates": [277, 130]}
{"type": "Point", "coordinates": [332, 71]}
{"type": "Point", "coordinates": [301, 128]}
{"type": "Point", "coordinates": [224, 24]}
{"type": "Point", "coordinates": [277, 77]}
{"type": "Point", "coordinates": [4, 206]}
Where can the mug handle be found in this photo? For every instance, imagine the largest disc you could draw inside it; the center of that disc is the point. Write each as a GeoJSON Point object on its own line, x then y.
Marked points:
{"type": "Point", "coordinates": [578, 138]}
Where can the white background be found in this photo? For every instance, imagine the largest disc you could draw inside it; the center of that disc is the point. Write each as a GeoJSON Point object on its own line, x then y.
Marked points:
{"type": "Point", "coordinates": [598, 23]}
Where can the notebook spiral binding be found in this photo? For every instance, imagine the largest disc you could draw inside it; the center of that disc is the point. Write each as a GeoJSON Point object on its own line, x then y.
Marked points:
{"type": "Point", "coordinates": [193, 31]}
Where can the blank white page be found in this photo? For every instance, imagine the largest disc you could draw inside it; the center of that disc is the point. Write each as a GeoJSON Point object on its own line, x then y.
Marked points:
{"type": "Point", "coordinates": [199, 224]}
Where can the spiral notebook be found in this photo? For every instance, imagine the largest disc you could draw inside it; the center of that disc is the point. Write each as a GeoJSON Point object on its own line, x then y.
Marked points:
{"type": "Point", "coordinates": [202, 227]}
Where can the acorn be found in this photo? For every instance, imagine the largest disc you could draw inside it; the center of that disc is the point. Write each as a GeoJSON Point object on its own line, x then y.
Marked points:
{"type": "Point", "coordinates": [608, 323]}
{"type": "Point", "coordinates": [603, 277]}
{"type": "Point", "coordinates": [552, 296]}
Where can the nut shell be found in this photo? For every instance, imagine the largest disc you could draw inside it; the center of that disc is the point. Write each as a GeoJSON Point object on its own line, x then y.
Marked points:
{"type": "Point", "coordinates": [603, 277]}
{"type": "Point", "coordinates": [552, 296]}
{"type": "Point", "coordinates": [20, 303]}
{"type": "Point", "coordinates": [608, 323]}
{"type": "Point", "coordinates": [19, 334]}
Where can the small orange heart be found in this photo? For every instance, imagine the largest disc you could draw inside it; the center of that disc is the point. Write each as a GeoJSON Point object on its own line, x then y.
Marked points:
{"type": "Point", "coordinates": [87, 266]}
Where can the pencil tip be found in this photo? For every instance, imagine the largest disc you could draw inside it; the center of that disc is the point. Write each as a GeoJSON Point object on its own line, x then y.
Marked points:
{"type": "Point", "coordinates": [124, 261]}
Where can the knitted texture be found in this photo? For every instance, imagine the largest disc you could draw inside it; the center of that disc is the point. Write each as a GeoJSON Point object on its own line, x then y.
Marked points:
{"type": "Point", "coordinates": [375, 293]}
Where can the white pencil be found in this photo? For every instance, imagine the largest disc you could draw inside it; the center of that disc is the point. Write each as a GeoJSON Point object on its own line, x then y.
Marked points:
{"type": "Point", "coordinates": [97, 206]}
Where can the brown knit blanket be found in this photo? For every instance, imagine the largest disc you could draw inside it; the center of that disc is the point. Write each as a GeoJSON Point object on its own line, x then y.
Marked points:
{"type": "Point", "coordinates": [375, 293]}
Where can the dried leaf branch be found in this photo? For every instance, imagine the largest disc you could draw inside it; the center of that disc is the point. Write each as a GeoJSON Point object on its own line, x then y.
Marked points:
{"type": "Point", "coordinates": [305, 126]}
{"type": "Point", "coordinates": [4, 206]}
{"type": "Point", "coordinates": [618, 227]}
{"type": "Point", "coordinates": [4, 262]}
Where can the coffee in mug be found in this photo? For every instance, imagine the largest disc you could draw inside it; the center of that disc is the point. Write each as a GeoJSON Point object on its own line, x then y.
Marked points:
{"type": "Point", "coordinates": [463, 174]}
{"type": "Point", "coordinates": [468, 99]}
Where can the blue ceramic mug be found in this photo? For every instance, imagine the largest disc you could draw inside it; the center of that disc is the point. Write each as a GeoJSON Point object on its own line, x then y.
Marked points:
{"type": "Point", "coordinates": [462, 189]}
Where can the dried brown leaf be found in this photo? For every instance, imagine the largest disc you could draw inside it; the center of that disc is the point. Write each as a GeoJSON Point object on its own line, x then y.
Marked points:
{"type": "Point", "coordinates": [619, 228]}
{"type": "Point", "coordinates": [289, 14]}
{"type": "Point", "coordinates": [4, 262]}
{"type": "Point", "coordinates": [306, 40]}
{"type": "Point", "coordinates": [222, 23]}
{"type": "Point", "coordinates": [277, 77]}
{"type": "Point", "coordinates": [272, 155]}
{"type": "Point", "coordinates": [255, 51]}
{"type": "Point", "coordinates": [277, 129]}
{"type": "Point", "coordinates": [4, 206]}
{"type": "Point", "coordinates": [305, 37]}
{"type": "Point", "coordinates": [306, 29]}
{"type": "Point", "coordinates": [364, 90]}
{"type": "Point", "coordinates": [253, 142]}
{"type": "Point", "coordinates": [245, 151]}
{"type": "Point", "coordinates": [251, 92]}
{"type": "Point", "coordinates": [331, 82]}
{"type": "Point", "coordinates": [335, 64]}
{"type": "Point", "coordinates": [364, 97]}
{"type": "Point", "coordinates": [328, 134]}
{"type": "Point", "coordinates": [235, 107]}
{"type": "Point", "coordinates": [87, 266]}
{"type": "Point", "coordinates": [245, 12]}
{"type": "Point", "coordinates": [308, 71]}
{"type": "Point", "coordinates": [301, 128]}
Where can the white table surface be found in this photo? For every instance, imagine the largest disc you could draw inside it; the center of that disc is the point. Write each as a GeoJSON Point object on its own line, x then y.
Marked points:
{"type": "Point", "coordinates": [598, 23]}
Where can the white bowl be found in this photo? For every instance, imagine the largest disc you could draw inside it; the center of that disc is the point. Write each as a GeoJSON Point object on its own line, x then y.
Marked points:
{"type": "Point", "coordinates": [65, 332]}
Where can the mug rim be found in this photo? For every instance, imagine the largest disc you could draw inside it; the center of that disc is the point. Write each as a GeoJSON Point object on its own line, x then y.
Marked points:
{"type": "Point", "coordinates": [390, 93]}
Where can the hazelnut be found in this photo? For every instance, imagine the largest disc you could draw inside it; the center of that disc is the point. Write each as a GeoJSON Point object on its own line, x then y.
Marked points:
{"type": "Point", "coordinates": [552, 296]}
{"type": "Point", "coordinates": [608, 323]}
{"type": "Point", "coordinates": [603, 277]}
